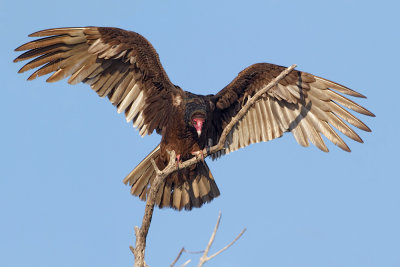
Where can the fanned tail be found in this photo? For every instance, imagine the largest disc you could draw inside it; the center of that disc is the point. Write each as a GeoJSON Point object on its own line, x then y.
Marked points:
{"type": "Point", "coordinates": [185, 188]}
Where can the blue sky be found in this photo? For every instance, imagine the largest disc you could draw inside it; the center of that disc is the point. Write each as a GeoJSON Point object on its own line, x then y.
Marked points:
{"type": "Point", "coordinates": [65, 151]}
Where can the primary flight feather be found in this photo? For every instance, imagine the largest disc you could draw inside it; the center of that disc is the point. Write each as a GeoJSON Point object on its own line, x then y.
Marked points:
{"type": "Point", "coordinates": [124, 67]}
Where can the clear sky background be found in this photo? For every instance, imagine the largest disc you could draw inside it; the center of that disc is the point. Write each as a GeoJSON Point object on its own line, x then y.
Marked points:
{"type": "Point", "coordinates": [64, 151]}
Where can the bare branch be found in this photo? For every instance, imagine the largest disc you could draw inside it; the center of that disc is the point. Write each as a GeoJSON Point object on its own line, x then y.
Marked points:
{"type": "Point", "coordinates": [194, 252]}
{"type": "Point", "coordinates": [205, 256]}
{"type": "Point", "coordinates": [186, 251]}
{"type": "Point", "coordinates": [177, 257]}
{"type": "Point", "coordinates": [186, 263]}
{"type": "Point", "coordinates": [211, 238]}
{"type": "Point", "coordinates": [227, 246]}
{"type": "Point", "coordinates": [141, 234]}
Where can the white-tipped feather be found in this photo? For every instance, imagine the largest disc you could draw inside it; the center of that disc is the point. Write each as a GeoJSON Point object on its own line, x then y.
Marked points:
{"type": "Point", "coordinates": [347, 116]}
{"type": "Point", "coordinates": [346, 102]}
{"type": "Point", "coordinates": [139, 120]}
{"type": "Point", "coordinates": [95, 46]}
{"type": "Point", "coordinates": [144, 164]}
{"type": "Point", "coordinates": [109, 53]}
{"type": "Point", "coordinates": [144, 131]}
{"type": "Point", "coordinates": [84, 71]}
{"type": "Point", "coordinates": [119, 91]}
{"type": "Point", "coordinates": [136, 106]}
{"type": "Point", "coordinates": [121, 54]}
{"type": "Point", "coordinates": [99, 48]}
{"type": "Point", "coordinates": [131, 96]}
{"type": "Point", "coordinates": [297, 133]}
{"type": "Point", "coordinates": [110, 83]}
{"type": "Point", "coordinates": [67, 69]}
{"type": "Point", "coordinates": [294, 90]}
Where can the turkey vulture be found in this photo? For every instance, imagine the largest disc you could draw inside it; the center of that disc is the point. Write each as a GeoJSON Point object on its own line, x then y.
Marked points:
{"type": "Point", "coordinates": [124, 67]}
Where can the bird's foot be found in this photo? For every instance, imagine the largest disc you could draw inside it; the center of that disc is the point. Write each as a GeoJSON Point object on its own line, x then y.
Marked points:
{"type": "Point", "coordinates": [178, 161]}
{"type": "Point", "coordinates": [199, 153]}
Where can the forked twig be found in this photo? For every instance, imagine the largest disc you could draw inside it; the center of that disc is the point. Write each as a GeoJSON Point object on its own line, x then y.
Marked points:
{"type": "Point", "coordinates": [227, 246]}
{"type": "Point", "coordinates": [205, 256]}
{"type": "Point", "coordinates": [186, 251]}
{"type": "Point", "coordinates": [177, 257]}
{"type": "Point", "coordinates": [186, 263]}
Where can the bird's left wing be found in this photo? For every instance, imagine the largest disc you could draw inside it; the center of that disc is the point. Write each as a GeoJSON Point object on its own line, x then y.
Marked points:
{"type": "Point", "coordinates": [119, 64]}
{"type": "Point", "coordinates": [301, 103]}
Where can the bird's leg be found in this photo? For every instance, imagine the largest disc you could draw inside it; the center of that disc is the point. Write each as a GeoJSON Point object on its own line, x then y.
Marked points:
{"type": "Point", "coordinates": [178, 160]}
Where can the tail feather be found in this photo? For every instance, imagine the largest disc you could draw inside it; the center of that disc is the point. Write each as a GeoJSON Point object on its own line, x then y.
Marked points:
{"type": "Point", "coordinates": [186, 188]}
{"type": "Point", "coordinates": [144, 165]}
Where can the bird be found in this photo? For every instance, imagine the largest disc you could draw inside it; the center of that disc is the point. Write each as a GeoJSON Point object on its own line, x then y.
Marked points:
{"type": "Point", "coordinates": [124, 67]}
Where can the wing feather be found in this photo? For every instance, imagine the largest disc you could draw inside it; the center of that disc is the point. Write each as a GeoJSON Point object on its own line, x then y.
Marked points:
{"type": "Point", "coordinates": [347, 116]}
{"type": "Point", "coordinates": [119, 64]}
{"type": "Point", "coordinates": [88, 67]}
{"type": "Point", "coordinates": [313, 131]}
{"type": "Point", "coordinates": [68, 66]}
{"type": "Point", "coordinates": [301, 103]}
{"type": "Point", "coordinates": [117, 95]}
{"type": "Point", "coordinates": [293, 117]}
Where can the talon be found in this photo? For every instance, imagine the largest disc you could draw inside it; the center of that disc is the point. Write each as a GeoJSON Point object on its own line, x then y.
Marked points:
{"type": "Point", "coordinates": [200, 152]}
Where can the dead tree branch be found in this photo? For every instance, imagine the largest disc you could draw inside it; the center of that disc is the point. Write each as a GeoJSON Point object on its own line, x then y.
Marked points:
{"type": "Point", "coordinates": [177, 257]}
{"type": "Point", "coordinates": [227, 246]}
{"type": "Point", "coordinates": [205, 256]}
{"type": "Point", "coordinates": [186, 263]}
{"type": "Point", "coordinates": [141, 233]}
{"type": "Point", "coordinates": [211, 241]}
{"type": "Point", "coordinates": [186, 251]}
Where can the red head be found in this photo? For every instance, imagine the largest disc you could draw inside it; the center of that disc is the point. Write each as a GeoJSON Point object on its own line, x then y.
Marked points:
{"type": "Point", "coordinates": [198, 121]}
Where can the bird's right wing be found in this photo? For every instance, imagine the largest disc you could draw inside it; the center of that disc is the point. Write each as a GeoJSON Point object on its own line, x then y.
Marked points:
{"type": "Point", "coordinates": [119, 64]}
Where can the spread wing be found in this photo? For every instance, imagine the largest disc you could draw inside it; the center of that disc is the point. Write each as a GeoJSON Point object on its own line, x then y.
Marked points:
{"type": "Point", "coordinates": [301, 103]}
{"type": "Point", "coordinates": [119, 64]}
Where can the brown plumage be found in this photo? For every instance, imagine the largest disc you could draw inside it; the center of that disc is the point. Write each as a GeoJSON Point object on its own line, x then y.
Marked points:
{"type": "Point", "coordinates": [124, 67]}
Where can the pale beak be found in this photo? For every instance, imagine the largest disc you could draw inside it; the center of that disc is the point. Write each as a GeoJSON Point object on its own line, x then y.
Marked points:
{"type": "Point", "coordinates": [198, 124]}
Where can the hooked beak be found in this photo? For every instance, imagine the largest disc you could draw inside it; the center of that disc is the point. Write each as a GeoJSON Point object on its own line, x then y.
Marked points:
{"type": "Point", "coordinates": [198, 124]}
